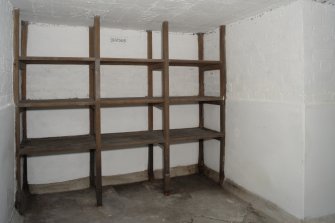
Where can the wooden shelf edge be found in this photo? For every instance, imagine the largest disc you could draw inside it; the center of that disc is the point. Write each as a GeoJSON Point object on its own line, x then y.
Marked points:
{"type": "Point", "coordinates": [55, 103]}
{"type": "Point", "coordinates": [56, 60]}
{"type": "Point", "coordinates": [56, 145]}
{"type": "Point", "coordinates": [112, 141]}
{"type": "Point", "coordinates": [194, 63]}
{"type": "Point", "coordinates": [130, 101]}
{"type": "Point", "coordinates": [179, 100]}
{"type": "Point", "coordinates": [130, 61]}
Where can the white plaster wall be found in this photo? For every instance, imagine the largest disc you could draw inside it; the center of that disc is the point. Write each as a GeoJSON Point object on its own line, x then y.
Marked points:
{"type": "Point", "coordinates": [7, 180]}
{"type": "Point", "coordinates": [116, 81]}
{"type": "Point", "coordinates": [265, 110]}
{"type": "Point", "coordinates": [319, 43]}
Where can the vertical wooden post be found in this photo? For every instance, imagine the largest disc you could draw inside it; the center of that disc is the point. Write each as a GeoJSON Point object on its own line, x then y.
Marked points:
{"type": "Point", "coordinates": [223, 82]}
{"type": "Point", "coordinates": [97, 113]}
{"type": "Point", "coordinates": [166, 107]}
{"type": "Point", "coordinates": [16, 93]}
{"type": "Point", "coordinates": [150, 108]}
{"type": "Point", "coordinates": [91, 112]}
{"type": "Point", "coordinates": [24, 39]}
{"type": "Point", "coordinates": [201, 105]}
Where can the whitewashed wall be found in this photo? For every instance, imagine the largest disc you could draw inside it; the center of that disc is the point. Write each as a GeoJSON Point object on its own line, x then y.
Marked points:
{"type": "Point", "coordinates": [117, 81]}
{"type": "Point", "coordinates": [7, 183]}
{"type": "Point", "coordinates": [265, 110]}
{"type": "Point", "coordinates": [319, 44]}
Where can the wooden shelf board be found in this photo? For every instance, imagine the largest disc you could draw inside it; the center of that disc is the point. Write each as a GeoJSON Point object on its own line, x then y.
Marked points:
{"type": "Point", "coordinates": [129, 61]}
{"type": "Point", "coordinates": [113, 141]}
{"type": "Point", "coordinates": [193, 99]}
{"type": "Point", "coordinates": [57, 60]}
{"type": "Point", "coordinates": [133, 101]}
{"type": "Point", "coordinates": [192, 134]}
{"type": "Point", "coordinates": [57, 145]}
{"type": "Point", "coordinates": [193, 63]}
{"type": "Point", "coordinates": [56, 103]}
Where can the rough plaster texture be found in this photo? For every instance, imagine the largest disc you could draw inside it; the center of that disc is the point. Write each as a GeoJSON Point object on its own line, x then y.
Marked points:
{"type": "Point", "coordinates": [264, 123]}
{"type": "Point", "coordinates": [7, 183]}
{"type": "Point", "coordinates": [117, 81]}
{"type": "Point", "coordinates": [185, 16]}
{"type": "Point", "coordinates": [280, 68]}
{"type": "Point", "coordinates": [319, 44]}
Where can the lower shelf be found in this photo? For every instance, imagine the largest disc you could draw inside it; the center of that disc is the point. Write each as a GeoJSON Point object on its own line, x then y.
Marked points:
{"type": "Point", "coordinates": [112, 141]}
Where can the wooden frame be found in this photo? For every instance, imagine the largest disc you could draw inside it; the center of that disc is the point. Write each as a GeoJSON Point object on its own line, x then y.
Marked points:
{"type": "Point", "coordinates": [95, 141]}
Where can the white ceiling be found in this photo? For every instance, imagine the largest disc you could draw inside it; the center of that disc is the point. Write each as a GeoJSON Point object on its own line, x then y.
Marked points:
{"type": "Point", "coordinates": [183, 15]}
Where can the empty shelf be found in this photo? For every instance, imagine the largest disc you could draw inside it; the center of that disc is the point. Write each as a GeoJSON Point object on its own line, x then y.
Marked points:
{"type": "Point", "coordinates": [114, 141]}
{"type": "Point", "coordinates": [125, 140]}
{"type": "Point", "coordinates": [192, 134]}
{"type": "Point", "coordinates": [117, 102]}
{"type": "Point", "coordinates": [57, 145]}
{"type": "Point", "coordinates": [194, 99]}
{"type": "Point", "coordinates": [56, 103]}
{"type": "Point", "coordinates": [56, 60]}
{"type": "Point", "coordinates": [129, 61]}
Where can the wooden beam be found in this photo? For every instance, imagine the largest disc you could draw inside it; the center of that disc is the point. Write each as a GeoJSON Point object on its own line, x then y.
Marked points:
{"type": "Point", "coordinates": [19, 202]}
{"type": "Point", "coordinates": [24, 39]}
{"type": "Point", "coordinates": [223, 82]}
{"type": "Point", "coordinates": [166, 107]}
{"type": "Point", "coordinates": [150, 108]}
{"type": "Point", "coordinates": [97, 113]}
{"type": "Point", "coordinates": [201, 162]}
{"type": "Point", "coordinates": [91, 110]}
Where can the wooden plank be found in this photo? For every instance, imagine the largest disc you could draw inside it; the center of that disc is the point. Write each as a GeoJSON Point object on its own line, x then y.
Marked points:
{"type": "Point", "coordinates": [16, 90]}
{"type": "Point", "coordinates": [116, 141]}
{"type": "Point", "coordinates": [150, 108]}
{"type": "Point", "coordinates": [193, 63]}
{"type": "Point", "coordinates": [24, 39]}
{"type": "Point", "coordinates": [133, 101]}
{"type": "Point", "coordinates": [210, 67]}
{"type": "Point", "coordinates": [201, 162]}
{"type": "Point", "coordinates": [125, 140]}
{"type": "Point", "coordinates": [91, 111]}
{"type": "Point", "coordinates": [57, 145]}
{"type": "Point", "coordinates": [56, 103]}
{"type": "Point", "coordinates": [111, 141]}
{"type": "Point", "coordinates": [130, 61]}
{"type": "Point", "coordinates": [192, 135]}
{"type": "Point", "coordinates": [193, 99]}
{"type": "Point", "coordinates": [223, 82]}
{"type": "Point", "coordinates": [56, 60]}
{"type": "Point", "coordinates": [16, 53]}
{"type": "Point", "coordinates": [97, 114]}
{"type": "Point", "coordinates": [166, 107]}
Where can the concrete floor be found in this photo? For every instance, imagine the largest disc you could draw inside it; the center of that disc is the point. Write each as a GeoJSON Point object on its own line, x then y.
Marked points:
{"type": "Point", "coordinates": [194, 199]}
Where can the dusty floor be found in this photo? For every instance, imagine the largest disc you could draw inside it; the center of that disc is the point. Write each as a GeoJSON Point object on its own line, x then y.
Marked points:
{"type": "Point", "coordinates": [194, 199]}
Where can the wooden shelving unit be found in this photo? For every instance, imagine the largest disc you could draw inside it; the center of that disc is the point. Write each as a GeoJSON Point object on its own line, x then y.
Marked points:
{"type": "Point", "coordinates": [95, 142]}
